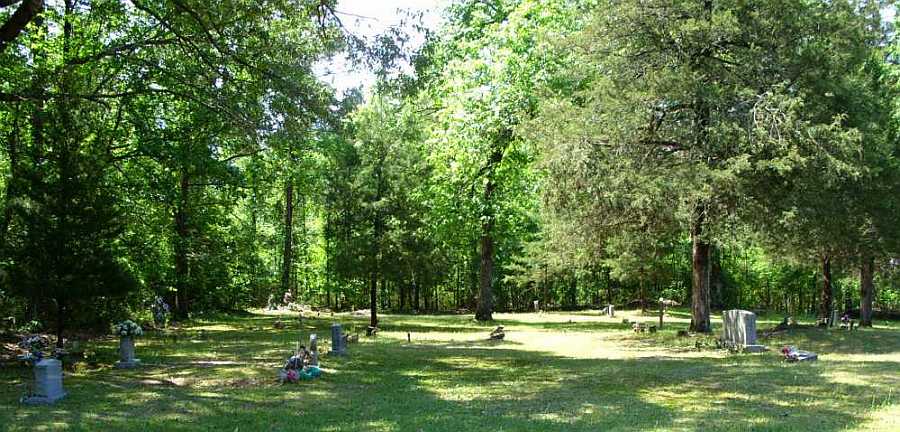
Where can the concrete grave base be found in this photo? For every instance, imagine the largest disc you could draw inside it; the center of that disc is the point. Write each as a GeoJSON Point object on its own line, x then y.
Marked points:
{"type": "Point", "coordinates": [128, 364]}
{"type": "Point", "coordinates": [44, 400]}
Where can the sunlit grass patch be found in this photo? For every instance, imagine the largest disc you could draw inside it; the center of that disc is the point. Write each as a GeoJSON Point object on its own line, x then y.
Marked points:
{"type": "Point", "coordinates": [553, 371]}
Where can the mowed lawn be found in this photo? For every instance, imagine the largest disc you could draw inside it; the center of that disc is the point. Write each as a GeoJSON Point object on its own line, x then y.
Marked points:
{"type": "Point", "coordinates": [554, 371]}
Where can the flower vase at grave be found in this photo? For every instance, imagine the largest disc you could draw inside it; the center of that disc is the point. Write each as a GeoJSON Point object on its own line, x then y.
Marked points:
{"type": "Point", "coordinates": [48, 386]}
{"type": "Point", "coordinates": [126, 353]}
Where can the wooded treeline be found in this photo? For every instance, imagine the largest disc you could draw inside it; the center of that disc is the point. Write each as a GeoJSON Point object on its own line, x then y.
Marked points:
{"type": "Point", "coordinates": [717, 153]}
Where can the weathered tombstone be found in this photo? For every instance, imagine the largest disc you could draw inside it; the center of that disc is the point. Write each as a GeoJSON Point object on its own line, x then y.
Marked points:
{"type": "Point", "coordinates": [48, 385]}
{"type": "Point", "coordinates": [313, 350]}
{"type": "Point", "coordinates": [740, 330]}
{"type": "Point", "coordinates": [537, 305]}
{"type": "Point", "coordinates": [338, 346]}
{"type": "Point", "coordinates": [126, 354]}
{"type": "Point", "coordinates": [834, 318]}
{"type": "Point", "coordinates": [611, 311]}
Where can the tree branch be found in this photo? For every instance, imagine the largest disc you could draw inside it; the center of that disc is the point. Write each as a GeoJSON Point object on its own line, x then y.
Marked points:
{"type": "Point", "coordinates": [19, 20]}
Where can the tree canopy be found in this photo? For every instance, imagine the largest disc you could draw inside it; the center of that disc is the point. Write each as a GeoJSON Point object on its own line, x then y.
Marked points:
{"type": "Point", "coordinates": [718, 153]}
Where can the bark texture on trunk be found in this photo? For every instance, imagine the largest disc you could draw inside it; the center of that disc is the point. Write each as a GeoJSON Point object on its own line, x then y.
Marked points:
{"type": "Point", "coordinates": [484, 311]}
{"type": "Point", "coordinates": [866, 290]}
{"type": "Point", "coordinates": [700, 276]}
{"type": "Point", "coordinates": [826, 302]}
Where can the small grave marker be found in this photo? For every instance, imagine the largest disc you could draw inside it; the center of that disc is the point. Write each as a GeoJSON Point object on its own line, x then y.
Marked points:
{"type": "Point", "coordinates": [338, 345]}
{"type": "Point", "coordinates": [48, 385]}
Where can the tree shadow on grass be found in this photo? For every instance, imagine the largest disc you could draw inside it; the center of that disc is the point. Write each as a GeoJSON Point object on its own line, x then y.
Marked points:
{"type": "Point", "coordinates": [868, 341]}
{"type": "Point", "coordinates": [385, 385]}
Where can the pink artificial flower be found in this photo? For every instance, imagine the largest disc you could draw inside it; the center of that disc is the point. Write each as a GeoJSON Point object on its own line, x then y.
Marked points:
{"type": "Point", "coordinates": [293, 375]}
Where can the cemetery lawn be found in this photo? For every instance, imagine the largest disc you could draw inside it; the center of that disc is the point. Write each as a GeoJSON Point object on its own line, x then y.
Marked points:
{"type": "Point", "coordinates": [554, 371]}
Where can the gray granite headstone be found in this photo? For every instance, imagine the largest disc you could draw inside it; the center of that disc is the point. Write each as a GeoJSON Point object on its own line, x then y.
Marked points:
{"type": "Point", "coordinates": [740, 330]}
{"type": "Point", "coordinates": [337, 340]}
{"type": "Point", "coordinates": [48, 385]}
{"type": "Point", "coordinates": [835, 319]}
{"type": "Point", "coordinates": [126, 354]}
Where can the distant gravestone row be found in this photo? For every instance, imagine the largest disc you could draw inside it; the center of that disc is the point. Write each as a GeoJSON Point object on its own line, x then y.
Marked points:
{"type": "Point", "coordinates": [47, 387]}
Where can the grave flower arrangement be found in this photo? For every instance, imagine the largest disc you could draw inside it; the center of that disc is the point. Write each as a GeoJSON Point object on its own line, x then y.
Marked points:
{"type": "Point", "coordinates": [160, 311]}
{"type": "Point", "coordinates": [128, 328]}
{"type": "Point", "coordinates": [298, 368]}
{"type": "Point", "coordinates": [35, 346]}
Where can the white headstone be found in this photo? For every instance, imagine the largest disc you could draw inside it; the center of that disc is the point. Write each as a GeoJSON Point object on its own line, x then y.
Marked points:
{"type": "Point", "coordinates": [739, 330]}
{"type": "Point", "coordinates": [611, 311]}
{"type": "Point", "coordinates": [537, 305]}
{"type": "Point", "coordinates": [48, 385]}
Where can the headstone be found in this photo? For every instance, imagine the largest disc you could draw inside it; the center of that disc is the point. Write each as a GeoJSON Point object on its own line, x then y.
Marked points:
{"type": "Point", "coordinates": [314, 350]}
{"type": "Point", "coordinates": [338, 346]}
{"type": "Point", "coordinates": [537, 305]}
{"type": "Point", "coordinates": [126, 354]}
{"type": "Point", "coordinates": [611, 311]}
{"type": "Point", "coordinates": [834, 318]}
{"type": "Point", "coordinates": [740, 330]}
{"type": "Point", "coordinates": [48, 385]}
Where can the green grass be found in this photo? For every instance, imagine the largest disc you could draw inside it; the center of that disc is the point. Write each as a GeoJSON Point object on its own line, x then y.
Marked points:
{"type": "Point", "coordinates": [554, 371]}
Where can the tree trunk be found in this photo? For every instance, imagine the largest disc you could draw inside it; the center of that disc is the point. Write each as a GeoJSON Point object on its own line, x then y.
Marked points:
{"type": "Point", "coordinates": [373, 299]}
{"type": "Point", "coordinates": [288, 254]}
{"type": "Point", "coordinates": [700, 275]}
{"type": "Point", "coordinates": [416, 296]}
{"type": "Point", "coordinates": [700, 246]}
{"type": "Point", "coordinates": [867, 290]}
{"type": "Point", "coordinates": [826, 301]}
{"type": "Point", "coordinates": [10, 192]}
{"type": "Point", "coordinates": [181, 246]}
{"type": "Point", "coordinates": [485, 295]}
{"type": "Point", "coordinates": [60, 322]}
{"type": "Point", "coordinates": [608, 287]}
{"type": "Point", "coordinates": [27, 11]}
{"type": "Point", "coordinates": [641, 295]}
